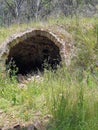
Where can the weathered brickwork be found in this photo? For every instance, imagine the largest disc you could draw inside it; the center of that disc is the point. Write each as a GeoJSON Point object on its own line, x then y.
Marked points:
{"type": "Point", "coordinates": [60, 39]}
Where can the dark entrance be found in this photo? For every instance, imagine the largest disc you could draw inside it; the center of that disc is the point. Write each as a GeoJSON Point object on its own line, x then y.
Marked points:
{"type": "Point", "coordinates": [34, 54]}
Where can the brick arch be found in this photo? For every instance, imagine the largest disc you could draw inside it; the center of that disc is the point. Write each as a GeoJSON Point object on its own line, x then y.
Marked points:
{"type": "Point", "coordinates": [51, 43]}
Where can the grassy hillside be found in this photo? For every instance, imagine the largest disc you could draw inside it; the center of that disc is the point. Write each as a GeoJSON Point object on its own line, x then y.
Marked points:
{"type": "Point", "coordinates": [63, 100]}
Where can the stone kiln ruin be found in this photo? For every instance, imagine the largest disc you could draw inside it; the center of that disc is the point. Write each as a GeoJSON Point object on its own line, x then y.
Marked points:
{"type": "Point", "coordinates": [33, 49]}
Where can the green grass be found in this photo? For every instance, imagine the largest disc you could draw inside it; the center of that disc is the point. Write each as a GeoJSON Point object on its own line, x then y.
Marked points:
{"type": "Point", "coordinates": [69, 95]}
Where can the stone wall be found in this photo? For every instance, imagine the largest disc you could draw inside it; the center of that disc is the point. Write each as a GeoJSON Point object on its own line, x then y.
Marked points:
{"type": "Point", "coordinates": [58, 43]}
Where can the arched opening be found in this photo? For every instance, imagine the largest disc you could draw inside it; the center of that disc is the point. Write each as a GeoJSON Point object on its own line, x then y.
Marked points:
{"type": "Point", "coordinates": [33, 55]}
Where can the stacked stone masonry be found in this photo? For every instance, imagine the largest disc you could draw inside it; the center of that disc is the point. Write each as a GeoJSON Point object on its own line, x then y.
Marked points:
{"type": "Point", "coordinates": [33, 47]}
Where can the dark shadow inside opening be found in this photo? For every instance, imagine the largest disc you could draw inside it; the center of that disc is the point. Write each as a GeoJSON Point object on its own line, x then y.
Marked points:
{"type": "Point", "coordinates": [33, 55]}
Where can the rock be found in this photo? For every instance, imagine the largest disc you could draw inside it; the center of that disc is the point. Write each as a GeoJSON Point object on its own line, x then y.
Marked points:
{"type": "Point", "coordinates": [20, 78]}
